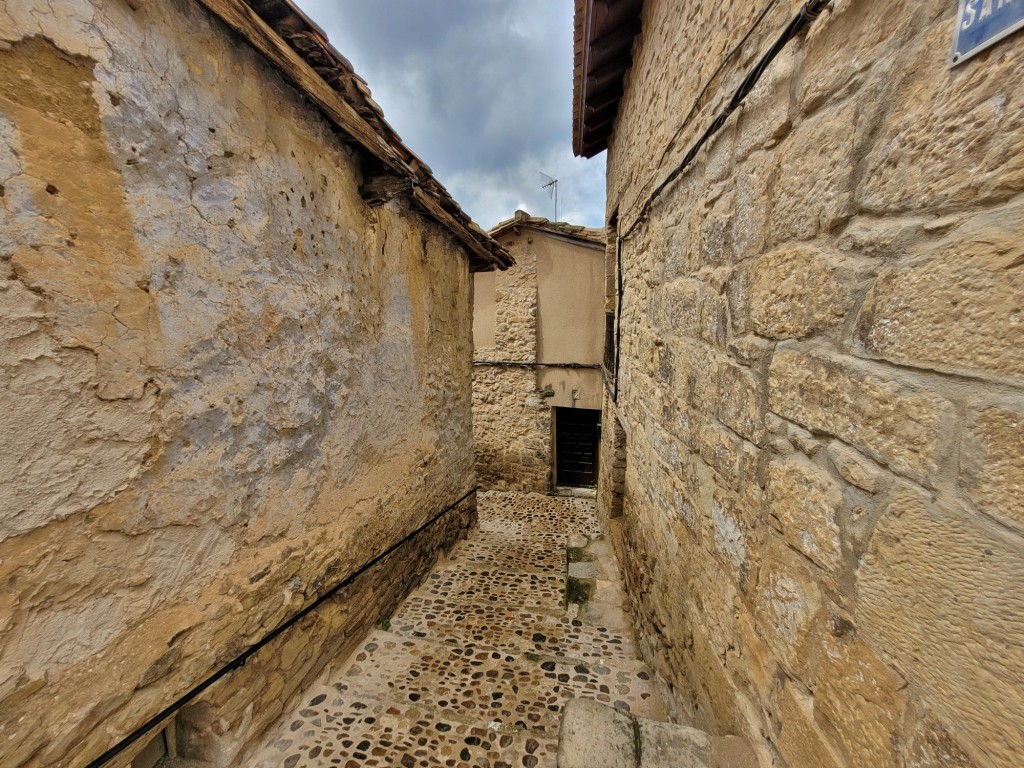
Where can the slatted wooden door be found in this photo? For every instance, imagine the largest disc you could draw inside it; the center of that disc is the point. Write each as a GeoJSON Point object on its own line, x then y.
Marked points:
{"type": "Point", "coordinates": [577, 436]}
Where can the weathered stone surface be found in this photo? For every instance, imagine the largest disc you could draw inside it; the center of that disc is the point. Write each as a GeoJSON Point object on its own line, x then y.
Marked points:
{"type": "Point", "coordinates": [795, 292]}
{"type": "Point", "coordinates": [787, 605]}
{"type": "Point", "coordinates": [694, 382]}
{"type": "Point", "coordinates": [867, 238]}
{"type": "Point", "coordinates": [992, 461]}
{"type": "Point", "coordinates": [855, 468]}
{"type": "Point", "coordinates": [668, 745]}
{"type": "Point", "coordinates": [765, 117]}
{"type": "Point", "coordinates": [730, 528]}
{"type": "Point", "coordinates": [880, 30]}
{"type": "Point", "coordinates": [932, 594]}
{"type": "Point", "coordinates": [862, 701]}
{"type": "Point", "coordinates": [753, 205]}
{"type": "Point", "coordinates": [805, 501]}
{"type": "Point", "coordinates": [740, 401]}
{"type": "Point", "coordinates": [732, 752]}
{"type": "Point", "coordinates": [720, 450]}
{"type": "Point", "coordinates": [953, 139]}
{"type": "Point", "coordinates": [611, 468]}
{"type": "Point", "coordinates": [754, 661]}
{"type": "Point", "coordinates": [808, 204]}
{"type": "Point", "coordinates": [898, 425]}
{"type": "Point", "coordinates": [594, 735]}
{"type": "Point", "coordinates": [511, 429]}
{"type": "Point", "coordinates": [800, 741]}
{"type": "Point", "coordinates": [691, 308]}
{"type": "Point", "coordinates": [932, 746]}
{"type": "Point", "coordinates": [227, 382]}
{"type": "Point", "coordinates": [962, 311]}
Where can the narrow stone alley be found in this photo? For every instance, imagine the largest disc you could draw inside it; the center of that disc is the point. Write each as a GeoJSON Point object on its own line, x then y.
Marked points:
{"type": "Point", "coordinates": [476, 665]}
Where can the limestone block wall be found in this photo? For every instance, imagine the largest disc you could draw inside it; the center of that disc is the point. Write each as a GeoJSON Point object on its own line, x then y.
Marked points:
{"type": "Point", "coordinates": [511, 422]}
{"type": "Point", "coordinates": [226, 382]}
{"type": "Point", "coordinates": [823, 383]}
{"type": "Point", "coordinates": [611, 471]}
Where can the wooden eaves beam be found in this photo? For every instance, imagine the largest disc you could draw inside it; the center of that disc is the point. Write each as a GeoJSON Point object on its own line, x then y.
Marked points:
{"type": "Point", "coordinates": [613, 44]}
{"type": "Point", "coordinates": [600, 105]}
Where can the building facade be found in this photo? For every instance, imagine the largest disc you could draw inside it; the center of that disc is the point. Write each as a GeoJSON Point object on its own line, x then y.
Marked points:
{"type": "Point", "coordinates": [817, 390]}
{"type": "Point", "coordinates": [537, 336]}
{"type": "Point", "coordinates": [235, 349]}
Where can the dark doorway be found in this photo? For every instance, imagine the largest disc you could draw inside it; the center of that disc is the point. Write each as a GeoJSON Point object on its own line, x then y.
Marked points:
{"type": "Point", "coordinates": [577, 436]}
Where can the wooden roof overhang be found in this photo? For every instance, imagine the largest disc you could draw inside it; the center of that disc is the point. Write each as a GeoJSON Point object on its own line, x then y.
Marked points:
{"type": "Point", "coordinates": [604, 31]}
{"type": "Point", "coordinates": [299, 49]}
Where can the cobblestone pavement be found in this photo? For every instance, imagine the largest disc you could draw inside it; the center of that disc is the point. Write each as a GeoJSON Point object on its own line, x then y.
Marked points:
{"type": "Point", "coordinates": [474, 667]}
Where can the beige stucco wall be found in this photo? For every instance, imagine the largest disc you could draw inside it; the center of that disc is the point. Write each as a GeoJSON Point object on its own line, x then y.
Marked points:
{"type": "Point", "coordinates": [570, 325]}
{"type": "Point", "coordinates": [484, 310]}
{"type": "Point", "coordinates": [546, 309]}
{"type": "Point", "coordinates": [822, 384]}
{"type": "Point", "coordinates": [570, 284]}
{"type": "Point", "coordinates": [227, 383]}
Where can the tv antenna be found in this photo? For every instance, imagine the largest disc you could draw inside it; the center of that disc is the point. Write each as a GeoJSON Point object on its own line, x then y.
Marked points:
{"type": "Point", "coordinates": [551, 186]}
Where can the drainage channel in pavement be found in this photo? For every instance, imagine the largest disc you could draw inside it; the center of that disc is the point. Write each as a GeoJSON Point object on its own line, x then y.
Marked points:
{"type": "Point", "coordinates": [475, 666]}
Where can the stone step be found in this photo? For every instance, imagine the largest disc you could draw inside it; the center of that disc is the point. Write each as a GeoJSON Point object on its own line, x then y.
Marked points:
{"type": "Point", "coordinates": [594, 735]}
{"type": "Point", "coordinates": [182, 762]}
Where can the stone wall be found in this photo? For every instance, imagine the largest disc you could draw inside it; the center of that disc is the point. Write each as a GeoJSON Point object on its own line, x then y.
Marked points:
{"type": "Point", "coordinates": [611, 471]}
{"type": "Point", "coordinates": [511, 421]}
{"type": "Point", "coordinates": [823, 383]}
{"type": "Point", "coordinates": [227, 383]}
{"type": "Point", "coordinates": [544, 317]}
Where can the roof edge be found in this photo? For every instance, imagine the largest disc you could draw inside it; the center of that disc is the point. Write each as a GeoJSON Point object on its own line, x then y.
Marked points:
{"type": "Point", "coordinates": [604, 32]}
{"type": "Point", "coordinates": [294, 45]}
{"type": "Point", "coordinates": [592, 236]}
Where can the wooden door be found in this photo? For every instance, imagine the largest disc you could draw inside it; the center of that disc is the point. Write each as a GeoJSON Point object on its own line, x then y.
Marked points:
{"type": "Point", "coordinates": [577, 437]}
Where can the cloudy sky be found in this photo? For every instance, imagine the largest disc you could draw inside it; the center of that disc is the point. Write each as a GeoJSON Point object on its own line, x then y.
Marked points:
{"type": "Point", "coordinates": [481, 90]}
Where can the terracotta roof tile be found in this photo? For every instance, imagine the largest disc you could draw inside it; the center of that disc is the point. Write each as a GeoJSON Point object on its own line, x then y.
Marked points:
{"type": "Point", "coordinates": [592, 236]}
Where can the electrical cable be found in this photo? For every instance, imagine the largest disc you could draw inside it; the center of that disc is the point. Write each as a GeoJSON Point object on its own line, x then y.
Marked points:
{"type": "Point", "coordinates": [513, 364]}
{"type": "Point", "coordinates": [240, 660]}
{"type": "Point", "coordinates": [711, 80]}
{"type": "Point", "coordinates": [803, 19]}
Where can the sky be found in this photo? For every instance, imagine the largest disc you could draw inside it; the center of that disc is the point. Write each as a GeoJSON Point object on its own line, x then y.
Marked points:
{"type": "Point", "coordinates": [480, 90]}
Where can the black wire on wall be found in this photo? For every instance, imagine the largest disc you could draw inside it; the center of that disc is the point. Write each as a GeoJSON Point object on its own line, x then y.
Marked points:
{"type": "Point", "coordinates": [801, 21]}
{"type": "Point", "coordinates": [240, 660]}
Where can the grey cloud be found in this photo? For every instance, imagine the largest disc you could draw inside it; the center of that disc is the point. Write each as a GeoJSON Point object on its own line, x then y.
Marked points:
{"type": "Point", "coordinates": [481, 90]}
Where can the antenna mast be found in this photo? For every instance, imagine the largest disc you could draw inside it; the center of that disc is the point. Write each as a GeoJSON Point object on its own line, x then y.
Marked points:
{"type": "Point", "coordinates": [552, 186]}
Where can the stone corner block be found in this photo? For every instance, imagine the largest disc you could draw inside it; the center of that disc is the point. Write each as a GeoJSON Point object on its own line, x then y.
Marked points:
{"type": "Point", "coordinates": [667, 745]}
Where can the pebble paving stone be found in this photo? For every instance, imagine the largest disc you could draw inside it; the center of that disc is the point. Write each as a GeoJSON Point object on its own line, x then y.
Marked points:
{"type": "Point", "coordinates": [476, 665]}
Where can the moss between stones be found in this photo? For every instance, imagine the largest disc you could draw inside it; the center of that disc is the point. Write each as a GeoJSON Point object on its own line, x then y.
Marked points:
{"type": "Point", "coordinates": [578, 590]}
{"type": "Point", "coordinates": [578, 555]}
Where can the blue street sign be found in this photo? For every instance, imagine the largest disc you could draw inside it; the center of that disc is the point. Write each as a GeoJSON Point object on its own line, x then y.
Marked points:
{"type": "Point", "coordinates": [982, 23]}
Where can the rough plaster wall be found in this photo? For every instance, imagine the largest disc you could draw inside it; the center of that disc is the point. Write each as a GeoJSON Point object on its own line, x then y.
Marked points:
{"type": "Point", "coordinates": [227, 383]}
{"type": "Point", "coordinates": [511, 421]}
{"type": "Point", "coordinates": [822, 385]}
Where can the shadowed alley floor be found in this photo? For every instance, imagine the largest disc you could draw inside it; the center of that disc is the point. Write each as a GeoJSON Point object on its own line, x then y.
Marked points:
{"type": "Point", "coordinates": [474, 667]}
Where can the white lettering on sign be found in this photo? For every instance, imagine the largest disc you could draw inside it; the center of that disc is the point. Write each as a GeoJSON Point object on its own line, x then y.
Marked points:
{"type": "Point", "coordinates": [972, 13]}
{"type": "Point", "coordinates": [982, 23]}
